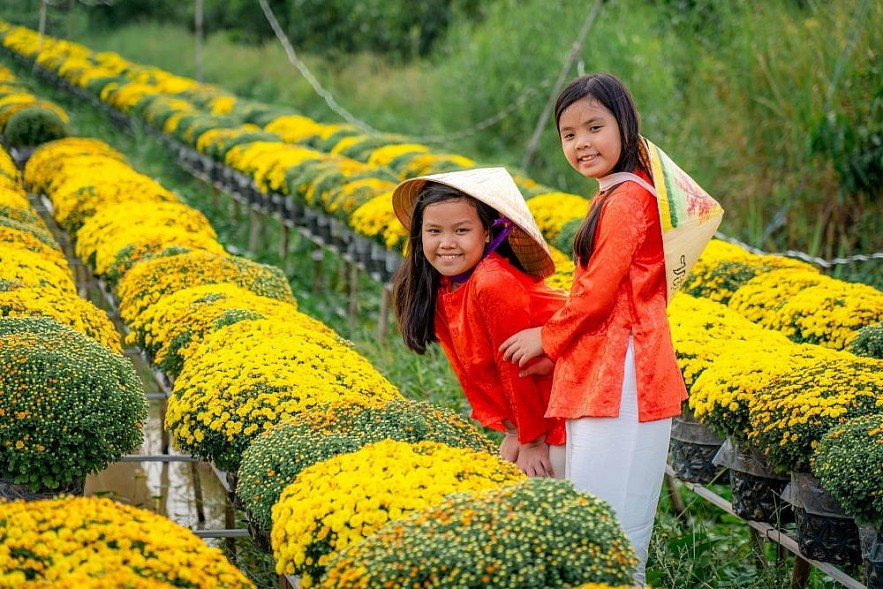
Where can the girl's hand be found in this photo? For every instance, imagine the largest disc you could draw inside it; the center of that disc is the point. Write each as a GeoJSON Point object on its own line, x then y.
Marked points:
{"type": "Point", "coordinates": [541, 367]}
{"type": "Point", "coordinates": [509, 448]}
{"type": "Point", "coordinates": [524, 346]}
{"type": "Point", "coordinates": [533, 459]}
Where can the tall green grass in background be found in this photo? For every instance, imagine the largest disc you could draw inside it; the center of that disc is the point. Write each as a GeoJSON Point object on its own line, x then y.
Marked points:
{"type": "Point", "coordinates": [774, 106]}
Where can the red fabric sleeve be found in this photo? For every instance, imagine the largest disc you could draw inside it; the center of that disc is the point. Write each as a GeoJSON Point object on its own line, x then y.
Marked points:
{"type": "Point", "coordinates": [505, 310]}
{"type": "Point", "coordinates": [621, 229]}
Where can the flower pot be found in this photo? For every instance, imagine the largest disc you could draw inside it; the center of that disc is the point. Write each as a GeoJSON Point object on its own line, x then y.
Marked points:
{"type": "Point", "coordinates": [824, 531]}
{"type": "Point", "coordinates": [260, 537]}
{"type": "Point", "coordinates": [871, 544]}
{"type": "Point", "coordinates": [692, 449]}
{"type": "Point", "coordinates": [757, 490]}
{"type": "Point", "coordinates": [12, 491]}
{"type": "Point", "coordinates": [341, 236]}
{"type": "Point", "coordinates": [232, 479]}
{"type": "Point", "coordinates": [294, 211]}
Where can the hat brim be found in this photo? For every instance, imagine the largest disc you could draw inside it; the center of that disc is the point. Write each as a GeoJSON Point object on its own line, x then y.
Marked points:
{"type": "Point", "coordinates": [497, 189]}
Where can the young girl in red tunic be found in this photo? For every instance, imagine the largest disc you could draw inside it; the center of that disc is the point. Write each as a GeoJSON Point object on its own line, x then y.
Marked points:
{"type": "Point", "coordinates": [616, 381]}
{"type": "Point", "coordinates": [472, 277]}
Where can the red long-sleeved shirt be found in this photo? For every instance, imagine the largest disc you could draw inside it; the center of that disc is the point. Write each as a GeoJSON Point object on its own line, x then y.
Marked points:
{"type": "Point", "coordinates": [621, 292]}
{"type": "Point", "coordinates": [472, 322]}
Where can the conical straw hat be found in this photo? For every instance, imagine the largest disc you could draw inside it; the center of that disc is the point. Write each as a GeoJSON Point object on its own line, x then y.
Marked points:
{"type": "Point", "coordinates": [690, 217]}
{"type": "Point", "coordinates": [496, 188]}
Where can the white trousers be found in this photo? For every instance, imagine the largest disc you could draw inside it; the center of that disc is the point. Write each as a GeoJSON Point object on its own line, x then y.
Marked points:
{"type": "Point", "coordinates": [622, 462]}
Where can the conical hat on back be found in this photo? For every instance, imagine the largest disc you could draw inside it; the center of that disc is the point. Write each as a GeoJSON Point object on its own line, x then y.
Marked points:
{"type": "Point", "coordinates": [689, 215]}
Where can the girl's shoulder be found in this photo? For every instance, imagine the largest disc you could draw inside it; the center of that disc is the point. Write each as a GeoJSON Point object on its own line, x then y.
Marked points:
{"type": "Point", "coordinates": [495, 271]}
{"type": "Point", "coordinates": [630, 195]}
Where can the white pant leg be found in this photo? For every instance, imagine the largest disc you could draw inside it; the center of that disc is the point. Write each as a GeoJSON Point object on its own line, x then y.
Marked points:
{"type": "Point", "coordinates": [557, 456]}
{"type": "Point", "coordinates": [622, 462]}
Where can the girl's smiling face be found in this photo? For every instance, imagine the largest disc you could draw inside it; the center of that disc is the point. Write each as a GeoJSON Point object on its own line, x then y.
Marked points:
{"type": "Point", "coordinates": [453, 236]}
{"type": "Point", "coordinates": [590, 138]}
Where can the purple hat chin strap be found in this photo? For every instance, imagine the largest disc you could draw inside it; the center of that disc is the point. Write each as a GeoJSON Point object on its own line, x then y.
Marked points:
{"type": "Point", "coordinates": [508, 226]}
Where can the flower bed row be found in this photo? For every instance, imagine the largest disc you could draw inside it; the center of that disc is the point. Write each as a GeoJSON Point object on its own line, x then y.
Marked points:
{"type": "Point", "coordinates": [25, 119]}
{"type": "Point", "coordinates": [70, 404]}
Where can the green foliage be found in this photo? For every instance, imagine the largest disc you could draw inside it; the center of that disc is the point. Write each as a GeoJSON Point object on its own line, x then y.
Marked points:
{"type": "Point", "coordinates": [848, 463]}
{"type": "Point", "coordinates": [69, 408]}
{"type": "Point", "coordinates": [108, 15]}
{"type": "Point", "coordinates": [853, 142]}
{"type": "Point", "coordinates": [401, 29]}
{"type": "Point", "coordinates": [535, 533]}
{"type": "Point", "coordinates": [564, 239]}
{"type": "Point", "coordinates": [33, 126]}
{"type": "Point", "coordinates": [868, 342]}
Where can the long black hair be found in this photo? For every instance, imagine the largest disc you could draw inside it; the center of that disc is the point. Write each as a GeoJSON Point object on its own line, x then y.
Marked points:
{"type": "Point", "coordinates": [415, 285]}
{"type": "Point", "coordinates": [615, 97]}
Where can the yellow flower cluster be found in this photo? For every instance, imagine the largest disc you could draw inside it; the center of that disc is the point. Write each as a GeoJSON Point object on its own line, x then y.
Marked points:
{"type": "Point", "coordinates": [275, 458]}
{"type": "Point", "coordinates": [73, 311]}
{"type": "Point", "coordinates": [794, 411]}
{"type": "Point", "coordinates": [267, 162]}
{"type": "Point", "coordinates": [13, 103]}
{"type": "Point", "coordinates": [79, 180]}
{"type": "Point", "coordinates": [421, 164]}
{"type": "Point", "coordinates": [251, 375]}
{"type": "Point", "coordinates": [830, 313]}
{"type": "Point", "coordinates": [222, 105]}
{"type": "Point", "coordinates": [27, 268]}
{"type": "Point", "coordinates": [344, 198]}
{"type": "Point", "coordinates": [724, 267]}
{"type": "Point", "coordinates": [216, 143]}
{"type": "Point", "coordinates": [145, 283]}
{"type": "Point", "coordinates": [384, 156]}
{"type": "Point", "coordinates": [758, 299]}
{"type": "Point", "coordinates": [110, 230]}
{"type": "Point", "coordinates": [724, 395]}
{"type": "Point", "coordinates": [294, 128]}
{"type": "Point", "coordinates": [340, 501]}
{"type": "Point", "coordinates": [35, 279]}
{"type": "Point", "coordinates": [327, 175]}
{"type": "Point", "coordinates": [564, 269]}
{"type": "Point", "coordinates": [30, 235]}
{"type": "Point", "coordinates": [92, 543]}
{"type": "Point", "coordinates": [704, 331]}
{"type": "Point", "coordinates": [170, 331]}
{"type": "Point", "coordinates": [377, 220]}
{"type": "Point", "coordinates": [553, 209]}
{"type": "Point", "coordinates": [348, 143]}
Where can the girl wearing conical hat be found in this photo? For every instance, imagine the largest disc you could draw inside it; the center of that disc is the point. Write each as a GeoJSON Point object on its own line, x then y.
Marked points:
{"type": "Point", "coordinates": [616, 381]}
{"type": "Point", "coordinates": [472, 277]}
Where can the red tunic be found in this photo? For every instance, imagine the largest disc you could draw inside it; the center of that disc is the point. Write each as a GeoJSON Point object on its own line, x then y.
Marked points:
{"type": "Point", "coordinates": [620, 292]}
{"type": "Point", "coordinates": [473, 321]}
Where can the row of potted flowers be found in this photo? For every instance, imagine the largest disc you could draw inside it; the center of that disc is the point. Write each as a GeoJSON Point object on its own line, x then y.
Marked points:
{"type": "Point", "coordinates": [336, 168]}
{"type": "Point", "coordinates": [64, 375]}
{"type": "Point", "coordinates": [71, 404]}
{"type": "Point", "coordinates": [25, 119]}
{"type": "Point", "coordinates": [248, 370]}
